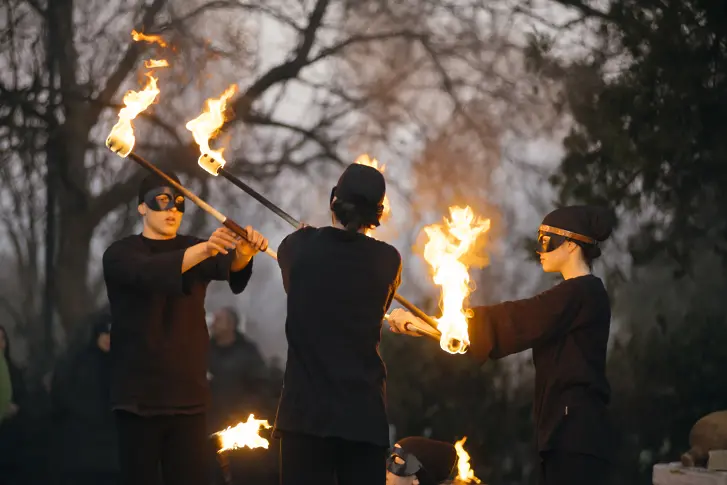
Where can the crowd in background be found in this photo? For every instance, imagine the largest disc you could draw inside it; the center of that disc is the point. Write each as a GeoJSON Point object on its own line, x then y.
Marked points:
{"type": "Point", "coordinates": [61, 431]}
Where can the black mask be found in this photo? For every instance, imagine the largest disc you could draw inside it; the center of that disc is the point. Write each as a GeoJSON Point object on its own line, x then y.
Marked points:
{"type": "Point", "coordinates": [164, 199]}
{"type": "Point", "coordinates": [548, 242]}
{"type": "Point", "coordinates": [411, 465]}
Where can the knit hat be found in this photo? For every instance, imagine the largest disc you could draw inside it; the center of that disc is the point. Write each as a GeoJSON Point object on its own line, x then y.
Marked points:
{"type": "Point", "coordinates": [153, 181]}
{"type": "Point", "coordinates": [586, 225]}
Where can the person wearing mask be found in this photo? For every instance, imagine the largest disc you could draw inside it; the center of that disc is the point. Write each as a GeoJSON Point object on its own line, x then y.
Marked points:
{"type": "Point", "coordinates": [156, 283]}
{"type": "Point", "coordinates": [331, 418]}
{"type": "Point", "coordinates": [567, 327]}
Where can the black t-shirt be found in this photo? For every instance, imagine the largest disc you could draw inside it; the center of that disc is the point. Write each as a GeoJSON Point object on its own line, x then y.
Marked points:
{"type": "Point", "coordinates": [339, 284]}
{"type": "Point", "coordinates": [159, 338]}
{"type": "Point", "coordinates": [567, 327]}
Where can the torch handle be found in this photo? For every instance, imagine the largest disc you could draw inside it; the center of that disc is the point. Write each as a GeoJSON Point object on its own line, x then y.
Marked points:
{"type": "Point", "coordinates": [255, 195]}
{"type": "Point", "coordinates": [229, 223]}
{"type": "Point", "coordinates": [417, 312]}
{"type": "Point", "coordinates": [240, 231]}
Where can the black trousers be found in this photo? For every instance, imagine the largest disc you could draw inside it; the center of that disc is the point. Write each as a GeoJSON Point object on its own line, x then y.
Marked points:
{"type": "Point", "coordinates": [569, 468]}
{"type": "Point", "coordinates": [310, 460]}
{"type": "Point", "coordinates": [175, 445]}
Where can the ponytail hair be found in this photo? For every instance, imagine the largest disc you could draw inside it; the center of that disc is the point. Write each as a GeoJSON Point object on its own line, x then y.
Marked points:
{"type": "Point", "coordinates": [355, 217]}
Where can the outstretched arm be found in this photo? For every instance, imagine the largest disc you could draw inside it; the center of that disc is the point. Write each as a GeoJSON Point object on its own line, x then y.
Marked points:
{"type": "Point", "coordinates": [513, 326]}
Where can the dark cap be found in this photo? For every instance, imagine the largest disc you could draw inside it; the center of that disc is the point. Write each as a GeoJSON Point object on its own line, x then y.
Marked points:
{"type": "Point", "coordinates": [438, 458]}
{"type": "Point", "coordinates": [593, 222]}
{"type": "Point", "coordinates": [153, 181]}
{"type": "Point", "coordinates": [361, 185]}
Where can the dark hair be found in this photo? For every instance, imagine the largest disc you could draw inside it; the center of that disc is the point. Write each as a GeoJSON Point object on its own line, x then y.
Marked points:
{"type": "Point", "coordinates": [355, 217]}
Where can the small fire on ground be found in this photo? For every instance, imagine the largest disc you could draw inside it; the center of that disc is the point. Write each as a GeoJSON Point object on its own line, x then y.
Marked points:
{"type": "Point", "coordinates": [243, 435]}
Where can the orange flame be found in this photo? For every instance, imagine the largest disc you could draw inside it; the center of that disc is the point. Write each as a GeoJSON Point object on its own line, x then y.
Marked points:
{"type": "Point", "coordinates": [155, 63]}
{"type": "Point", "coordinates": [205, 126]}
{"type": "Point", "coordinates": [448, 243]}
{"type": "Point", "coordinates": [465, 474]}
{"type": "Point", "coordinates": [121, 138]}
{"type": "Point", "coordinates": [243, 435]}
{"type": "Point", "coordinates": [364, 159]}
{"type": "Point", "coordinates": [151, 39]}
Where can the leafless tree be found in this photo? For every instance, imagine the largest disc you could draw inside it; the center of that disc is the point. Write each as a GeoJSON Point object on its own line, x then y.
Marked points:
{"type": "Point", "coordinates": [429, 81]}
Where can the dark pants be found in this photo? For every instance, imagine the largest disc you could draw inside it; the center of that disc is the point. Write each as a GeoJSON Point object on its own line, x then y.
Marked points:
{"type": "Point", "coordinates": [175, 445]}
{"type": "Point", "coordinates": [310, 460]}
{"type": "Point", "coordinates": [568, 468]}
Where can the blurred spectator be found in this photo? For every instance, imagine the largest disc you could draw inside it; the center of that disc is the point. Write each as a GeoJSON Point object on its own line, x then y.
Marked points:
{"type": "Point", "coordinates": [237, 372]}
{"type": "Point", "coordinates": [11, 423]}
{"type": "Point", "coordinates": [85, 450]}
{"type": "Point", "coordinates": [240, 385]}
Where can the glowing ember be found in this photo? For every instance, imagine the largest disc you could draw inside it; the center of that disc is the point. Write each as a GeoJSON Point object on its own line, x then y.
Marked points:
{"type": "Point", "coordinates": [447, 245]}
{"type": "Point", "coordinates": [121, 138]}
{"type": "Point", "coordinates": [205, 126]}
{"type": "Point", "coordinates": [372, 162]}
{"type": "Point", "coordinates": [243, 435]}
{"type": "Point", "coordinates": [155, 63]}
{"type": "Point", "coordinates": [464, 472]}
{"type": "Point", "coordinates": [151, 39]}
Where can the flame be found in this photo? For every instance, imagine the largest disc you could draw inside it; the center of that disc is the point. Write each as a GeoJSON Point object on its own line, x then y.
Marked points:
{"type": "Point", "coordinates": [151, 39]}
{"type": "Point", "coordinates": [205, 126]}
{"type": "Point", "coordinates": [372, 162]}
{"type": "Point", "coordinates": [244, 435]}
{"type": "Point", "coordinates": [155, 63]}
{"type": "Point", "coordinates": [121, 138]}
{"type": "Point", "coordinates": [464, 472]}
{"type": "Point", "coordinates": [448, 243]}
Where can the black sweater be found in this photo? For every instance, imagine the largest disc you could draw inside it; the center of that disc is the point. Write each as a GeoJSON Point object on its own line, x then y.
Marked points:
{"type": "Point", "coordinates": [159, 338]}
{"type": "Point", "coordinates": [567, 327]}
{"type": "Point", "coordinates": [340, 285]}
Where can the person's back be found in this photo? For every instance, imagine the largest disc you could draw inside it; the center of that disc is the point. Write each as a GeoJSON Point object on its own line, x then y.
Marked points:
{"type": "Point", "coordinates": [339, 286]}
{"type": "Point", "coordinates": [332, 411]}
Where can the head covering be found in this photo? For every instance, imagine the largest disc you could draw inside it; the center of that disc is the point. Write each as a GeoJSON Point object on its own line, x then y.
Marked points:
{"type": "Point", "coordinates": [437, 458]}
{"type": "Point", "coordinates": [583, 224]}
{"type": "Point", "coordinates": [154, 185]}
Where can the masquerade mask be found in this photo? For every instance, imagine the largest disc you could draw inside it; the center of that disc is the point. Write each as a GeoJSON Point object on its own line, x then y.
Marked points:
{"type": "Point", "coordinates": [550, 238]}
{"type": "Point", "coordinates": [164, 199]}
{"type": "Point", "coordinates": [402, 464]}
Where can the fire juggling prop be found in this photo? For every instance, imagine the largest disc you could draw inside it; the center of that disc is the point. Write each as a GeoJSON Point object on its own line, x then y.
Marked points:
{"type": "Point", "coordinates": [243, 435]}
{"type": "Point", "coordinates": [445, 250]}
{"type": "Point", "coordinates": [121, 141]}
{"type": "Point", "coordinates": [465, 474]}
{"type": "Point", "coordinates": [206, 126]}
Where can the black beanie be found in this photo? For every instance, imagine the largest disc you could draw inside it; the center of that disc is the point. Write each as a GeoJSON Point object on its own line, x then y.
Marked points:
{"type": "Point", "coordinates": [153, 181]}
{"type": "Point", "coordinates": [593, 222]}
{"type": "Point", "coordinates": [438, 458]}
{"type": "Point", "coordinates": [361, 185]}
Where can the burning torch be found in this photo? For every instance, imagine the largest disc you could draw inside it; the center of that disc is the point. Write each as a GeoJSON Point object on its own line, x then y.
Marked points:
{"type": "Point", "coordinates": [205, 126]}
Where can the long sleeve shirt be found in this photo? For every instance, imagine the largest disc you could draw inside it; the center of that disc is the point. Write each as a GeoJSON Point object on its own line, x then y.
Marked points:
{"type": "Point", "coordinates": [159, 338]}
{"type": "Point", "coordinates": [340, 285]}
{"type": "Point", "coordinates": [567, 327]}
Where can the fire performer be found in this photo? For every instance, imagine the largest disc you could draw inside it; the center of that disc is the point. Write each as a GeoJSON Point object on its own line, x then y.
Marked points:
{"type": "Point", "coordinates": [331, 416]}
{"type": "Point", "coordinates": [567, 327]}
{"type": "Point", "coordinates": [156, 284]}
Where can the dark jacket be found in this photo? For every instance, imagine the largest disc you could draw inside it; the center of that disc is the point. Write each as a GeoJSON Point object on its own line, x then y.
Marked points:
{"type": "Point", "coordinates": [238, 375]}
{"type": "Point", "coordinates": [160, 339]}
{"type": "Point", "coordinates": [567, 327]}
{"type": "Point", "coordinates": [83, 422]}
